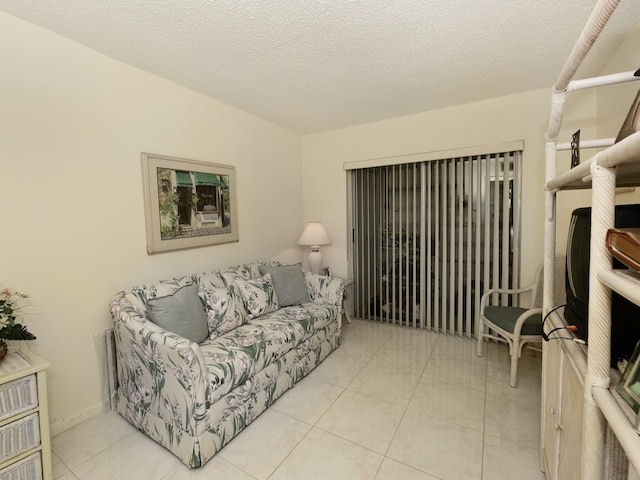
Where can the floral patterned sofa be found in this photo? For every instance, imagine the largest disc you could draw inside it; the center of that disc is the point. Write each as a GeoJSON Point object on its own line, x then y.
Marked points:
{"type": "Point", "coordinates": [192, 388]}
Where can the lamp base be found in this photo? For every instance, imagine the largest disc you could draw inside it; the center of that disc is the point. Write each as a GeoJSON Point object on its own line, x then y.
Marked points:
{"type": "Point", "coordinates": [315, 260]}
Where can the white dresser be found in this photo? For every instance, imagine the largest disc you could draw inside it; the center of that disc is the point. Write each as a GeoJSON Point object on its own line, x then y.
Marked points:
{"type": "Point", "coordinates": [25, 446]}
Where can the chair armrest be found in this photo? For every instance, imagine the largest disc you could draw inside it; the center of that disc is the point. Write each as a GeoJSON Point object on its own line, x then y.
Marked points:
{"type": "Point", "coordinates": [524, 317]}
{"type": "Point", "coordinates": [503, 291]}
{"type": "Point", "coordinates": [160, 372]}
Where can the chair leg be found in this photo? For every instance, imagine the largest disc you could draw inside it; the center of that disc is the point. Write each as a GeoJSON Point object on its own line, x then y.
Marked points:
{"type": "Point", "coordinates": [515, 354]}
{"type": "Point", "coordinates": [481, 329]}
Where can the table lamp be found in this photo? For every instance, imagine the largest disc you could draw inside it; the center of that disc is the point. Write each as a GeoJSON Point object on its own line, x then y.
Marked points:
{"type": "Point", "coordinates": [314, 235]}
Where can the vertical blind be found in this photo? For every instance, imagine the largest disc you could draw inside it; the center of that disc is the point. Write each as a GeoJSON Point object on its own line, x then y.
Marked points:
{"type": "Point", "coordinates": [429, 237]}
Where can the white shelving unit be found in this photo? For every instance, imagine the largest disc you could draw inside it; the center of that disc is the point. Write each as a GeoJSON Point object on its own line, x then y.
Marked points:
{"type": "Point", "coordinates": [577, 404]}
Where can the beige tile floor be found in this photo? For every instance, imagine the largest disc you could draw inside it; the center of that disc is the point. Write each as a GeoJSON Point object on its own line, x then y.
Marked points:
{"type": "Point", "coordinates": [390, 404]}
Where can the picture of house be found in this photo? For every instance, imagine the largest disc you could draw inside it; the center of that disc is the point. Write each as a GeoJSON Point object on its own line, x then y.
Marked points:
{"type": "Point", "coordinates": [192, 203]}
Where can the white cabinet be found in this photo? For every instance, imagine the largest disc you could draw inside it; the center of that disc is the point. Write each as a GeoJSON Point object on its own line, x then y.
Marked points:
{"type": "Point", "coordinates": [563, 408]}
{"type": "Point", "coordinates": [25, 448]}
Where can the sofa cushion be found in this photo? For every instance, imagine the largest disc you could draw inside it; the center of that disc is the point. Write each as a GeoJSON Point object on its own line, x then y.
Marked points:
{"type": "Point", "coordinates": [324, 289]}
{"type": "Point", "coordinates": [211, 280]}
{"type": "Point", "coordinates": [181, 313]}
{"type": "Point", "coordinates": [312, 316]}
{"type": "Point", "coordinates": [258, 295]}
{"type": "Point", "coordinates": [140, 295]}
{"type": "Point", "coordinates": [225, 309]}
{"type": "Point", "coordinates": [226, 277]}
{"type": "Point", "coordinates": [289, 283]}
{"type": "Point", "coordinates": [239, 354]}
{"type": "Point", "coordinates": [243, 272]}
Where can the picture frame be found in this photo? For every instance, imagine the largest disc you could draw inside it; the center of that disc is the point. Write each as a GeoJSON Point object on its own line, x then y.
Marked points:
{"type": "Point", "coordinates": [188, 203]}
{"type": "Point", "coordinates": [629, 385]}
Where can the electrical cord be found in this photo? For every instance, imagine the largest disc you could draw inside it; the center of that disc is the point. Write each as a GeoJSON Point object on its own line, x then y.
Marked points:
{"type": "Point", "coordinates": [576, 340]}
{"type": "Point", "coordinates": [571, 328]}
{"type": "Point", "coordinates": [544, 335]}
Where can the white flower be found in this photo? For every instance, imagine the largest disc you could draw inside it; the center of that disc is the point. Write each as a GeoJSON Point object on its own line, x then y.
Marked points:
{"type": "Point", "coordinates": [10, 301]}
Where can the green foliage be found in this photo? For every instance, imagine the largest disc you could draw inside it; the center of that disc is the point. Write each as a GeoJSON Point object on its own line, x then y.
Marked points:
{"type": "Point", "coordinates": [169, 215]}
{"type": "Point", "coordinates": [16, 332]}
{"type": "Point", "coordinates": [10, 301]}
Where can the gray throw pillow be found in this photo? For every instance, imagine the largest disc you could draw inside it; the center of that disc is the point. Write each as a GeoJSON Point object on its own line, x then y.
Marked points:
{"type": "Point", "coordinates": [181, 313]}
{"type": "Point", "coordinates": [288, 282]}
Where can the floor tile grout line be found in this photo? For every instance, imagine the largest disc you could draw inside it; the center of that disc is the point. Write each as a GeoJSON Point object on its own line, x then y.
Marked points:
{"type": "Point", "coordinates": [484, 416]}
{"type": "Point", "coordinates": [404, 413]}
{"type": "Point", "coordinates": [344, 389]}
{"type": "Point", "coordinates": [406, 409]}
{"type": "Point", "coordinates": [485, 393]}
{"type": "Point", "coordinates": [113, 445]}
{"type": "Point", "coordinates": [314, 425]}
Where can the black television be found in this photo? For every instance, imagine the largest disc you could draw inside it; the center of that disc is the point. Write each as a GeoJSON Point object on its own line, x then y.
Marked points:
{"type": "Point", "coordinates": [625, 326]}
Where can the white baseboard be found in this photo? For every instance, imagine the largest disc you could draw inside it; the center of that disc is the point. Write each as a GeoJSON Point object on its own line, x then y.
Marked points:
{"type": "Point", "coordinates": [59, 425]}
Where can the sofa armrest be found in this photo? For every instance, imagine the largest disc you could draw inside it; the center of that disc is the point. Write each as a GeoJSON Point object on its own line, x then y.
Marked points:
{"type": "Point", "coordinates": [326, 290]}
{"type": "Point", "coordinates": [159, 372]}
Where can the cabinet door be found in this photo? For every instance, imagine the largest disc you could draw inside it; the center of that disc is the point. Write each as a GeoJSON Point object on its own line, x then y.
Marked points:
{"type": "Point", "coordinates": [571, 409]}
{"type": "Point", "coordinates": [551, 402]}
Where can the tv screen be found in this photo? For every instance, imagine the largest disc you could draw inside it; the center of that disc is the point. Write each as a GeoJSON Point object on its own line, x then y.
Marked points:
{"type": "Point", "coordinates": [625, 315]}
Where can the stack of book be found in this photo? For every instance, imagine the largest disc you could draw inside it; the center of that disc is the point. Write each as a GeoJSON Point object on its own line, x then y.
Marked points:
{"type": "Point", "coordinates": [624, 244]}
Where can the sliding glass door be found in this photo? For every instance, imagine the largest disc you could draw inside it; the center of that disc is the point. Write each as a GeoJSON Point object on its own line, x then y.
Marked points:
{"type": "Point", "coordinates": [429, 237]}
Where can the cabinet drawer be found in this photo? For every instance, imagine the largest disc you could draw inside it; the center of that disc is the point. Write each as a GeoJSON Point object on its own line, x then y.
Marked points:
{"type": "Point", "coordinates": [18, 396]}
{"type": "Point", "coordinates": [19, 436]}
{"type": "Point", "coordinates": [29, 468]}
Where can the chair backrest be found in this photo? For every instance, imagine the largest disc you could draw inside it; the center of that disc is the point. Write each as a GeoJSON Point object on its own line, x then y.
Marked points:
{"type": "Point", "coordinates": [559, 284]}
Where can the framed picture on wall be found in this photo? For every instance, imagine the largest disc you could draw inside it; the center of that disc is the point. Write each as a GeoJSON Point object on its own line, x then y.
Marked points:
{"type": "Point", "coordinates": [188, 203]}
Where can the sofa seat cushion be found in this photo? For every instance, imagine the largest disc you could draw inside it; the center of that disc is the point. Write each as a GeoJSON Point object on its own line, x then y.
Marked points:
{"type": "Point", "coordinates": [312, 316]}
{"type": "Point", "coordinates": [238, 355]}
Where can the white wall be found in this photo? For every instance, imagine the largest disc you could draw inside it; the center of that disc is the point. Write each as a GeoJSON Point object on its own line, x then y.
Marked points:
{"type": "Point", "coordinates": [612, 105]}
{"type": "Point", "coordinates": [73, 124]}
{"type": "Point", "coordinates": [614, 101]}
{"type": "Point", "coordinates": [504, 119]}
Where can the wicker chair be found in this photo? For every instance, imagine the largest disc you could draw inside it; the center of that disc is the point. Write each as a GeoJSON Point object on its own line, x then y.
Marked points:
{"type": "Point", "coordinates": [516, 325]}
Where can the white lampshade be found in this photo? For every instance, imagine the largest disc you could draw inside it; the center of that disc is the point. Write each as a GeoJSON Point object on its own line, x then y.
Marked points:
{"type": "Point", "coordinates": [314, 235]}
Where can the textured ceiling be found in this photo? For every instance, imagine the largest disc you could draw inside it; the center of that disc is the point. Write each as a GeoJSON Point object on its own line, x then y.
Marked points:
{"type": "Point", "coordinates": [316, 65]}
